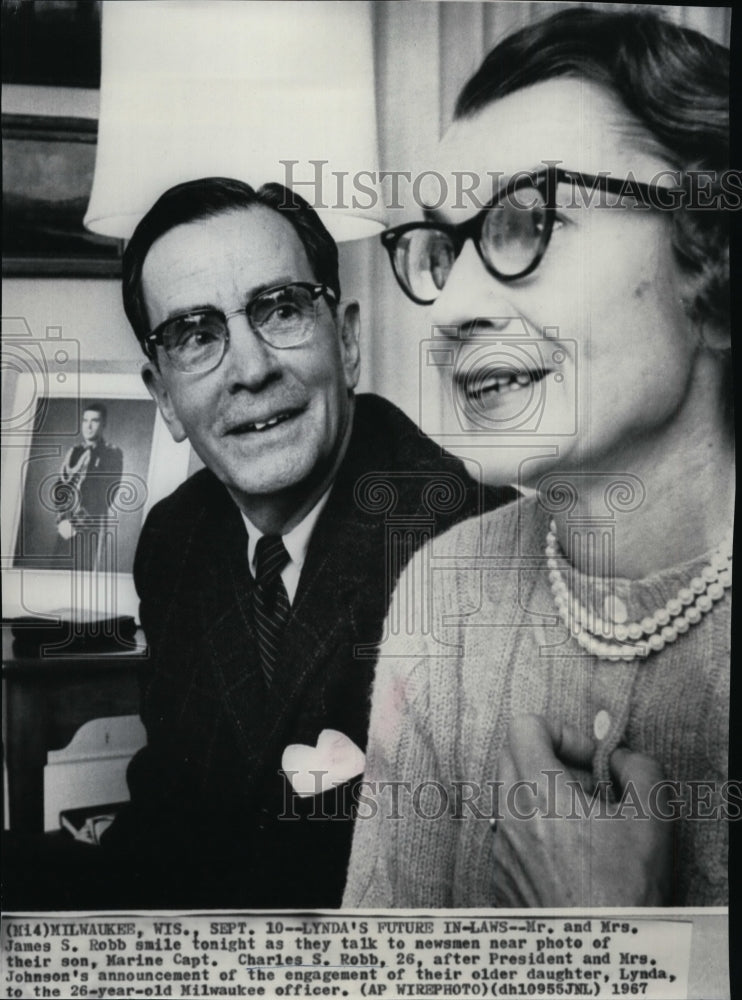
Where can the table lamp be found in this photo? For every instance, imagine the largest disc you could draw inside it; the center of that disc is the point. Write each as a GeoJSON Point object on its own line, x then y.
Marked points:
{"type": "Point", "coordinates": [260, 91]}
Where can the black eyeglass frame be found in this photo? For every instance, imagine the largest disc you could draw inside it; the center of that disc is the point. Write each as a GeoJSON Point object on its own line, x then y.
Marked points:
{"type": "Point", "coordinates": [544, 180]}
{"type": "Point", "coordinates": [315, 289]}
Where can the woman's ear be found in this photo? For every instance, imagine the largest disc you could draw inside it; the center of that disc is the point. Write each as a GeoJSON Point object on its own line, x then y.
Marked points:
{"type": "Point", "coordinates": [710, 331]}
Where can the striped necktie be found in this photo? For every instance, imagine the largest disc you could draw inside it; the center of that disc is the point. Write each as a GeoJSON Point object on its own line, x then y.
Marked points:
{"type": "Point", "coordinates": [271, 602]}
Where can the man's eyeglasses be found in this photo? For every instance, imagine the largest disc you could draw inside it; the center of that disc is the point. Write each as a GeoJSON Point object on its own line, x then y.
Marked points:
{"type": "Point", "coordinates": [511, 234]}
{"type": "Point", "coordinates": [283, 317]}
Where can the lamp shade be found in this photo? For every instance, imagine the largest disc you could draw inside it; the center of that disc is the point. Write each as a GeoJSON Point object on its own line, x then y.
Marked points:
{"type": "Point", "coordinates": [260, 91]}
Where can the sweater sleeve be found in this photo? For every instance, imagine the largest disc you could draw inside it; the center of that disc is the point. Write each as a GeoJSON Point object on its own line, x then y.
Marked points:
{"type": "Point", "coordinates": [402, 782]}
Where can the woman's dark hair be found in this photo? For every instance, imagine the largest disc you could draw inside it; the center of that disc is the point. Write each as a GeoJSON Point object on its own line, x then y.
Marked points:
{"type": "Point", "coordinates": [209, 197]}
{"type": "Point", "coordinates": [672, 80]}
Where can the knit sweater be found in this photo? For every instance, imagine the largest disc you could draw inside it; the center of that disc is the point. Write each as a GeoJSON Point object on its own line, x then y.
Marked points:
{"type": "Point", "coordinates": [485, 645]}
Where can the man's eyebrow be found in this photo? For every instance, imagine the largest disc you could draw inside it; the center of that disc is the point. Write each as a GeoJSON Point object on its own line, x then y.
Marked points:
{"type": "Point", "coordinates": [178, 313]}
{"type": "Point", "coordinates": [286, 279]}
{"type": "Point", "coordinates": [249, 295]}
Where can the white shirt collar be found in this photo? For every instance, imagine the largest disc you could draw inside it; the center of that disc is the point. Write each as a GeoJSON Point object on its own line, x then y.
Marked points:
{"type": "Point", "coordinates": [296, 542]}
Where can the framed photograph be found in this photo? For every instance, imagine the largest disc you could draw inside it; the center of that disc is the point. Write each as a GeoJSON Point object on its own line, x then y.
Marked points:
{"type": "Point", "coordinates": [51, 43]}
{"type": "Point", "coordinates": [78, 481]}
{"type": "Point", "coordinates": [48, 166]}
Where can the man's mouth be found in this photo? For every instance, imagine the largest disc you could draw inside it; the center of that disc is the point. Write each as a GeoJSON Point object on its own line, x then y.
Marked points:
{"type": "Point", "coordinates": [492, 385]}
{"type": "Point", "coordinates": [258, 426]}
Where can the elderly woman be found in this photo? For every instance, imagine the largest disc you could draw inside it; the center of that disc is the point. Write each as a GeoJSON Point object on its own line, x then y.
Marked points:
{"type": "Point", "coordinates": [573, 659]}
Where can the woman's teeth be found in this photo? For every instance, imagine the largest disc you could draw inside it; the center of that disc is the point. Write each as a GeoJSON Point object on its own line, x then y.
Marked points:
{"type": "Point", "coordinates": [505, 382]}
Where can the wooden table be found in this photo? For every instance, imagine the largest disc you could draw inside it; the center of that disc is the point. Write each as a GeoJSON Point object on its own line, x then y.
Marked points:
{"type": "Point", "coordinates": [47, 696]}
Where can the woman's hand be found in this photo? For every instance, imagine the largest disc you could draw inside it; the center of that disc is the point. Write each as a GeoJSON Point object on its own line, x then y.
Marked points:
{"type": "Point", "coordinates": [559, 841]}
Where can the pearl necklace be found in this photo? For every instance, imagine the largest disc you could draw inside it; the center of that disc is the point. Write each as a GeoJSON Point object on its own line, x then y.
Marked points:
{"type": "Point", "coordinates": [626, 641]}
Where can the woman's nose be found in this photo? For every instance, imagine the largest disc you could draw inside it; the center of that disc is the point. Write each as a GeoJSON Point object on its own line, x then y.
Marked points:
{"type": "Point", "coordinates": [472, 298]}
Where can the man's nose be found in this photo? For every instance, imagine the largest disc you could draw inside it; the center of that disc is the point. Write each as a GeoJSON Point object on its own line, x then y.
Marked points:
{"type": "Point", "coordinates": [472, 300]}
{"type": "Point", "coordinates": [249, 362]}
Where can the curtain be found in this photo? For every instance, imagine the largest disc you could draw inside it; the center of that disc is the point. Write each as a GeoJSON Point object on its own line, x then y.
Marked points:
{"type": "Point", "coordinates": [424, 53]}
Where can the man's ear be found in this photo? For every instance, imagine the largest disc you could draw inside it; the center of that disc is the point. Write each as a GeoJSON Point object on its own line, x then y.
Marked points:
{"type": "Point", "coordinates": [349, 325]}
{"type": "Point", "coordinates": [152, 378]}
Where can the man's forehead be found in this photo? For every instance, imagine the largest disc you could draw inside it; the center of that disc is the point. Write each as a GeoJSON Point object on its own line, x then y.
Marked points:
{"type": "Point", "coordinates": [232, 253]}
{"type": "Point", "coordinates": [255, 229]}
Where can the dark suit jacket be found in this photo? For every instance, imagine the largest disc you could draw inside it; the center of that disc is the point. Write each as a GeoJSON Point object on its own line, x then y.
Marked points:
{"type": "Point", "coordinates": [213, 820]}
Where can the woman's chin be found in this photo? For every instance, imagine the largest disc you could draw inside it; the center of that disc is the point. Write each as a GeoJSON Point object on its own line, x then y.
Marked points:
{"type": "Point", "coordinates": [514, 464]}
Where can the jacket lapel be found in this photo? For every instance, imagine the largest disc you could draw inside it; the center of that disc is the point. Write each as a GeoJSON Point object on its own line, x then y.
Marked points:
{"type": "Point", "coordinates": [323, 622]}
{"type": "Point", "coordinates": [228, 633]}
{"type": "Point", "coordinates": [317, 634]}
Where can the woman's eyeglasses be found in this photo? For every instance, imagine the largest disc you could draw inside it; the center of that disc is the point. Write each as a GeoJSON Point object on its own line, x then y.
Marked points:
{"type": "Point", "coordinates": [283, 317]}
{"type": "Point", "coordinates": [511, 234]}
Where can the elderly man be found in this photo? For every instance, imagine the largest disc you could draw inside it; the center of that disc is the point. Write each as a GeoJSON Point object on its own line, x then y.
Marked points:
{"type": "Point", "coordinates": [265, 578]}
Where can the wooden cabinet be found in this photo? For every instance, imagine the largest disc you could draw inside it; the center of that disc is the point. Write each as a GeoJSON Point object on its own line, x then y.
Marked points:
{"type": "Point", "coordinates": [47, 696]}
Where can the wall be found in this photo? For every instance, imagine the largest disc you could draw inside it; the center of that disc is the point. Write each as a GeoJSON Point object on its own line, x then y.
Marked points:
{"type": "Point", "coordinates": [89, 309]}
{"type": "Point", "coordinates": [86, 309]}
